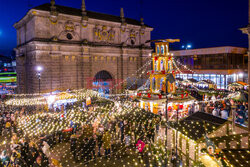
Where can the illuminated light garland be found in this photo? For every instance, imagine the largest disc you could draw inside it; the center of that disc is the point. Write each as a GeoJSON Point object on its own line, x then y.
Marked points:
{"type": "Point", "coordinates": [144, 66]}
{"type": "Point", "coordinates": [112, 110]}
{"type": "Point", "coordinates": [206, 101]}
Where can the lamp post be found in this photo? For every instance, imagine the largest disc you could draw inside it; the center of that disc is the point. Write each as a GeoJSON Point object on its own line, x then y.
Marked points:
{"type": "Point", "coordinates": [166, 130]}
{"type": "Point", "coordinates": [188, 46]}
{"type": "Point", "coordinates": [39, 69]}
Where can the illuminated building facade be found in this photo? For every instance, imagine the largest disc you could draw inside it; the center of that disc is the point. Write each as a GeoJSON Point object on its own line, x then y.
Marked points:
{"type": "Point", "coordinates": [222, 65]}
{"type": "Point", "coordinates": [76, 47]}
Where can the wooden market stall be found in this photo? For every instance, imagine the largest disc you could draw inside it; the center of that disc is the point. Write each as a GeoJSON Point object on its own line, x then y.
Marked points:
{"type": "Point", "coordinates": [238, 86]}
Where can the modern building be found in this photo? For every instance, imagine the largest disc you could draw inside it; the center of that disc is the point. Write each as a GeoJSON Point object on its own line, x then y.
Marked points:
{"type": "Point", "coordinates": [222, 65]}
{"type": "Point", "coordinates": [76, 48]}
{"type": "Point", "coordinates": [246, 30]}
{"type": "Point", "coordinates": [7, 64]}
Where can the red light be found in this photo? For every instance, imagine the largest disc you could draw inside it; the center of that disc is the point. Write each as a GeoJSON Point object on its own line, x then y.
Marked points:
{"type": "Point", "coordinates": [5, 69]}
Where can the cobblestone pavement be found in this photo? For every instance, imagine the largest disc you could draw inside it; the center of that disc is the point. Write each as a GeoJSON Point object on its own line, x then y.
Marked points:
{"type": "Point", "coordinates": [63, 154]}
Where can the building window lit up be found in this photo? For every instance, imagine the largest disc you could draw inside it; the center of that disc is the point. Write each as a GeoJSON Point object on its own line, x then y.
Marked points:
{"type": "Point", "coordinates": [221, 65]}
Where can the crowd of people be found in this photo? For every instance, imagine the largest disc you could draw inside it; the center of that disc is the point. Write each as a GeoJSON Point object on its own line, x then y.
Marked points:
{"type": "Point", "coordinates": [223, 109]}
{"type": "Point", "coordinates": [107, 139]}
{"type": "Point", "coordinates": [100, 135]}
{"type": "Point", "coordinates": [88, 140]}
{"type": "Point", "coordinates": [18, 150]}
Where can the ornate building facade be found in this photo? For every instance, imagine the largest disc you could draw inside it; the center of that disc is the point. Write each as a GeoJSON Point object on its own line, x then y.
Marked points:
{"type": "Point", "coordinates": [76, 47]}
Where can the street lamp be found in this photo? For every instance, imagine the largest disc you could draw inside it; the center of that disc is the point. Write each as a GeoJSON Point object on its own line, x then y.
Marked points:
{"type": "Point", "coordinates": [39, 69]}
{"type": "Point", "coordinates": [188, 46]}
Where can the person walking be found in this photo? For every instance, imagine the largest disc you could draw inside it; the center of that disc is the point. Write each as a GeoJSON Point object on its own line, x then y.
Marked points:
{"type": "Point", "coordinates": [4, 158]}
{"type": "Point", "coordinates": [106, 143]}
{"type": "Point", "coordinates": [122, 130]}
{"type": "Point", "coordinates": [224, 114]}
{"type": "Point", "coordinates": [92, 146]}
{"type": "Point", "coordinates": [99, 135]}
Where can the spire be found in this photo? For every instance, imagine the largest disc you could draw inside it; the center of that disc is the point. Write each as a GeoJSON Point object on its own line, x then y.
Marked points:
{"type": "Point", "coordinates": [122, 16]}
{"type": "Point", "coordinates": [84, 12]}
{"type": "Point", "coordinates": [142, 22]}
{"type": "Point", "coordinates": [52, 6]}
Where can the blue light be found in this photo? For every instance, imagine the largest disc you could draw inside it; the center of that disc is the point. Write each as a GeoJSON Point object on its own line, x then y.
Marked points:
{"type": "Point", "coordinates": [182, 46]}
{"type": "Point", "coordinates": [189, 46]}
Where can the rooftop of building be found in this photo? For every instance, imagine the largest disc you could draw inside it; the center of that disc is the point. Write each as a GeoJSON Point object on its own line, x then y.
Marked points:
{"type": "Point", "coordinates": [90, 14]}
{"type": "Point", "coordinates": [212, 50]}
{"type": "Point", "coordinates": [198, 124]}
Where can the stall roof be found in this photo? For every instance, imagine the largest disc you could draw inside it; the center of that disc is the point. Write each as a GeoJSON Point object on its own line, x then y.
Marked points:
{"type": "Point", "coordinates": [198, 124]}
{"type": "Point", "coordinates": [242, 83]}
{"type": "Point", "coordinates": [237, 157]}
{"type": "Point", "coordinates": [206, 81]}
{"type": "Point", "coordinates": [192, 80]}
{"type": "Point", "coordinates": [179, 79]}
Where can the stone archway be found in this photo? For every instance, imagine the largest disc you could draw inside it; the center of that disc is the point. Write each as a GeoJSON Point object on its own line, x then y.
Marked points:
{"type": "Point", "coordinates": [102, 82]}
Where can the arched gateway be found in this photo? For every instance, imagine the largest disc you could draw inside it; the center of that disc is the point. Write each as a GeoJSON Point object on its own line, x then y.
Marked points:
{"type": "Point", "coordinates": [74, 46]}
{"type": "Point", "coordinates": [103, 82]}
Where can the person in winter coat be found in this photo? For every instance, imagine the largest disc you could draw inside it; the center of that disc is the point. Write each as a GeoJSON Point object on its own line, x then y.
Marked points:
{"type": "Point", "coordinates": [24, 149]}
{"type": "Point", "coordinates": [5, 159]}
{"type": "Point", "coordinates": [46, 149]}
{"type": "Point", "coordinates": [224, 114]}
{"type": "Point", "coordinates": [106, 143]}
{"type": "Point", "coordinates": [216, 112]}
{"type": "Point", "coordinates": [140, 147]}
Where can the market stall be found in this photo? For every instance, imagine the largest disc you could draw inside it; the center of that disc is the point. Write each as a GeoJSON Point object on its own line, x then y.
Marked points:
{"type": "Point", "coordinates": [206, 84]}
{"type": "Point", "coordinates": [238, 86]}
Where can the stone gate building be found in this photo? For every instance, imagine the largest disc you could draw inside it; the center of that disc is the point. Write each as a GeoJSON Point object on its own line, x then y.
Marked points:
{"type": "Point", "coordinates": [76, 47]}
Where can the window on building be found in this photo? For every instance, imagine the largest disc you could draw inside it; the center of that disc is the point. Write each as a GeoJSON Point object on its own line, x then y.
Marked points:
{"type": "Point", "coordinates": [153, 84]}
{"type": "Point", "coordinates": [156, 64]}
{"type": "Point", "coordinates": [162, 49]}
{"type": "Point", "coordinates": [162, 65]}
{"type": "Point", "coordinates": [158, 50]}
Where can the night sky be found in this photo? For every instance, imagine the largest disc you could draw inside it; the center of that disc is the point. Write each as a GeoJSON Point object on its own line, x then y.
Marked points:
{"type": "Point", "coordinates": [202, 23]}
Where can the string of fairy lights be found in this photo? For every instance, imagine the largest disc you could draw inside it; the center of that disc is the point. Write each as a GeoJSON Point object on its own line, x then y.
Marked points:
{"type": "Point", "coordinates": [204, 101]}
{"type": "Point", "coordinates": [29, 99]}
{"type": "Point", "coordinates": [48, 123]}
{"type": "Point", "coordinates": [135, 74]}
{"type": "Point", "coordinates": [29, 128]}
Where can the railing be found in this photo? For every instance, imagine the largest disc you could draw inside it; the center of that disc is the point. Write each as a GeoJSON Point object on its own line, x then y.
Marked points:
{"type": "Point", "coordinates": [206, 67]}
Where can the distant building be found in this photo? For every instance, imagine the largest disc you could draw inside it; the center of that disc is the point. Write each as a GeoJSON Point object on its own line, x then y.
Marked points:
{"type": "Point", "coordinates": [77, 48]}
{"type": "Point", "coordinates": [5, 61]}
{"type": "Point", "coordinates": [7, 64]}
{"type": "Point", "coordinates": [222, 65]}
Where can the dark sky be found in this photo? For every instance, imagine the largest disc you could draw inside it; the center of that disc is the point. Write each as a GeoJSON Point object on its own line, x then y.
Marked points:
{"type": "Point", "coordinates": [202, 23]}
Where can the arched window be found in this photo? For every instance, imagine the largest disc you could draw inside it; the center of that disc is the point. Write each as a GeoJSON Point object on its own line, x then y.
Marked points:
{"type": "Point", "coordinates": [162, 65]}
{"type": "Point", "coordinates": [166, 48]}
{"type": "Point", "coordinates": [156, 65]}
{"type": "Point", "coordinates": [153, 84]}
{"type": "Point", "coordinates": [158, 50]}
{"type": "Point", "coordinates": [161, 83]}
{"type": "Point", "coordinates": [162, 49]}
{"type": "Point", "coordinates": [169, 66]}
